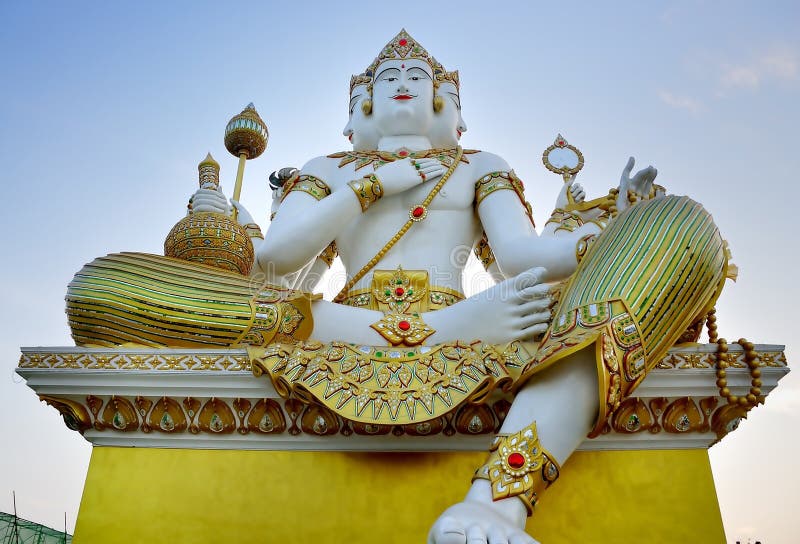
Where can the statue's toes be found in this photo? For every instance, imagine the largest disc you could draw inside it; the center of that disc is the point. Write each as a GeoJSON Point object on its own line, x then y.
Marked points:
{"type": "Point", "coordinates": [476, 535]}
{"type": "Point", "coordinates": [449, 531]}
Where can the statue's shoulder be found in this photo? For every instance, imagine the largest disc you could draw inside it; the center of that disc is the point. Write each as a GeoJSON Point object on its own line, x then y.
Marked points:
{"type": "Point", "coordinates": [321, 167]}
{"type": "Point", "coordinates": [484, 162]}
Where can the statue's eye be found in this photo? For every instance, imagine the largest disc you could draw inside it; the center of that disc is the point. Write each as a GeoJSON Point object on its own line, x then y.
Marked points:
{"type": "Point", "coordinates": [414, 78]}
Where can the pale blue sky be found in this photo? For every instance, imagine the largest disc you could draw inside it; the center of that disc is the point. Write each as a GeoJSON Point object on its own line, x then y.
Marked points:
{"type": "Point", "coordinates": [106, 109]}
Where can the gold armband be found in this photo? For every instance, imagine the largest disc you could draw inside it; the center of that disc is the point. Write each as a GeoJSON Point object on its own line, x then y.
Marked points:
{"type": "Point", "coordinates": [329, 254]}
{"type": "Point", "coordinates": [518, 466]}
{"type": "Point", "coordinates": [305, 183]}
{"type": "Point", "coordinates": [498, 181]}
{"type": "Point", "coordinates": [484, 252]}
{"type": "Point", "coordinates": [403, 329]}
{"type": "Point", "coordinates": [253, 230]}
{"type": "Point", "coordinates": [368, 190]}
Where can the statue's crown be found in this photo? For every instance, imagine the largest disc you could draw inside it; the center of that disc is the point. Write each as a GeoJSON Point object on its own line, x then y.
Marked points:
{"type": "Point", "coordinates": [404, 47]}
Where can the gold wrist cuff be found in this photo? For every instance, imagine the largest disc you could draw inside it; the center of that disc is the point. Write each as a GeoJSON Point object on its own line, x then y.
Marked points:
{"type": "Point", "coordinates": [583, 246]}
{"type": "Point", "coordinates": [253, 230]}
{"type": "Point", "coordinates": [519, 467]}
{"type": "Point", "coordinates": [368, 190]}
{"type": "Point", "coordinates": [403, 329]}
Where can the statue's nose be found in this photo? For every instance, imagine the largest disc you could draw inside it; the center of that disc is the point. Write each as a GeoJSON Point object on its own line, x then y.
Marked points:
{"type": "Point", "coordinates": [401, 88]}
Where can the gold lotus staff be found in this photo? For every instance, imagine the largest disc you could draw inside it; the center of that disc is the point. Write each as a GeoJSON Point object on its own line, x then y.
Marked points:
{"type": "Point", "coordinates": [246, 137]}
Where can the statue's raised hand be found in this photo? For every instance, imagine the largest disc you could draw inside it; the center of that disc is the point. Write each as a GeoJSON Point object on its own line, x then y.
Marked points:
{"type": "Point", "coordinates": [210, 200]}
{"type": "Point", "coordinates": [641, 183]}
{"type": "Point", "coordinates": [399, 176]}
{"type": "Point", "coordinates": [572, 188]}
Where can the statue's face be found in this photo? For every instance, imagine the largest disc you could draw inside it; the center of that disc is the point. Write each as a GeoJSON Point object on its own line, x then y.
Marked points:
{"type": "Point", "coordinates": [402, 98]}
{"type": "Point", "coordinates": [448, 125]}
{"type": "Point", "coordinates": [360, 129]}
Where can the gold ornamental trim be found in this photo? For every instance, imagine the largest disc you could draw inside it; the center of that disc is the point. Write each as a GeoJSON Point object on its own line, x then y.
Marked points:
{"type": "Point", "coordinates": [384, 385]}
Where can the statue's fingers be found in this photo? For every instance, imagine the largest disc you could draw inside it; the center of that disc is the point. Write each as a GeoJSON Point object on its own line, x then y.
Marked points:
{"type": "Point", "coordinates": [628, 167]}
{"type": "Point", "coordinates": [448, 531]}
{"type": "Point", "coordinates": [476, 535]}
{"type": "Point", "coordinates": [431, 169]}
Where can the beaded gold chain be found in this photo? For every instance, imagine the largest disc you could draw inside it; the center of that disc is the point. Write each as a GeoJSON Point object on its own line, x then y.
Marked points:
{"type": "Point", "coordinates": [750, 357]}
{"type": "Point", "coordinates": [416, 214]}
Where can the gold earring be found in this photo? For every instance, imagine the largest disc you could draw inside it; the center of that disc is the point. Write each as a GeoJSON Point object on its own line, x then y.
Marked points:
{"type": "Point", "coordinates": [438, 104]}
{"type": "Point", "coordinates": [366, 106]}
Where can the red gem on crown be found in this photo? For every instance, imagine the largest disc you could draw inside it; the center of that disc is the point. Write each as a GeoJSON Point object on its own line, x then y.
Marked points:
{"type": "Point", "coordinates": [403, 42]}
{"type": "Point", "coordinates": [404, 325]}
{"type": "Point", "coordinates": [516, 460]}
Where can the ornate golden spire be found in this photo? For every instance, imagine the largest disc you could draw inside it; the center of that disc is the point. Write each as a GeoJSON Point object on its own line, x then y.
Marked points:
{"type": "Point", "coordinates": [208, 173]}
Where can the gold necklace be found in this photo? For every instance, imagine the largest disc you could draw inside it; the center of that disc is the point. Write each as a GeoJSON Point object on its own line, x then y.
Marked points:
{"type": "Point", "coordinates": [379, 158]}
{"type": "Point", "coordinates": [415, 215]}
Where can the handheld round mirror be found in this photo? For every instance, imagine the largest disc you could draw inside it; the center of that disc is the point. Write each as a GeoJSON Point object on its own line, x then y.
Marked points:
{"type": "Point", "coordinates": [563, 158]}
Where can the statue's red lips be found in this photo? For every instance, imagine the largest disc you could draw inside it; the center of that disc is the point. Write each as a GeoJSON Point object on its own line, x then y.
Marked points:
{"type": "Point", "coordinates": [403, 96]}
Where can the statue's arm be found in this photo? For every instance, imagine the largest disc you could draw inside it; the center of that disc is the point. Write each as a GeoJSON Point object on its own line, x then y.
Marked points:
{"type": "Point", "coordinates": [304, 226]}
{"type": "Point", "coordinates": [514, 241]}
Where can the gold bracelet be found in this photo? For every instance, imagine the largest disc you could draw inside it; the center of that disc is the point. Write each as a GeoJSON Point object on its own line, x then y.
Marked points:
{"type": "Point", "coordinates": [368, 190]}
{"type": "Point", "coordinates": [253, 230]}
{"type": "Point", "coordinates": [583, 246]}
{"type": "Point", "coordinates": [519, 467]}
{"type": "Point", "coordinates": [403, 329]}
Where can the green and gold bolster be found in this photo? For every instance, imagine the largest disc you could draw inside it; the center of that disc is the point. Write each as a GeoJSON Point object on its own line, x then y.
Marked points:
{"type": "Point", "coordinates": [155, 301]}
{"type": "Point", "coordinates": [656, 269]}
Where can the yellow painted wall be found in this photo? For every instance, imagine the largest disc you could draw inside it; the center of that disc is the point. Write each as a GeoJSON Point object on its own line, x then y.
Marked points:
{"type": "Point", "coordinates": [208, 496]}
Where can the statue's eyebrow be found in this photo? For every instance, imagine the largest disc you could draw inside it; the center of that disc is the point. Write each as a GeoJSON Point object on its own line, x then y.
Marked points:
{"type": "Point", "coordinates": [418, 69]}
{"type": "Point", "coordinates": [455, 99]}
{"type": "Point", "coordinates": [353, 101]}
{"type": "Point", "coordinates": [386, 70]}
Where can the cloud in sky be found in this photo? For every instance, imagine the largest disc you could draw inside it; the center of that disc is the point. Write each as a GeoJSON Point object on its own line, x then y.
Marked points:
{"type": "Point", "coordinates": [680, 102]}
{"type": "Point", "coordinates": [779, 64]}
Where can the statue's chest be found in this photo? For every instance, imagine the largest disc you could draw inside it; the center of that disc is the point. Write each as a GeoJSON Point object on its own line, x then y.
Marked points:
{"type": "Point", "coordinates": [457, 193]}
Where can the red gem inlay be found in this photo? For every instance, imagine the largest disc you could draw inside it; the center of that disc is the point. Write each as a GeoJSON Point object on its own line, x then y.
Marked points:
{"type": "Point", "coordinates": [419, 211]}
{"type": "Point", "coordinates": [516, 460]}
{"type": "Point", "coordinates": [399, 291]}
{"type": "Point", "coordinates": [403, 153]}
{"type": "Point", "coordinates": [403, 42]}
{"type": "Point", "coordinates": [404, 325]}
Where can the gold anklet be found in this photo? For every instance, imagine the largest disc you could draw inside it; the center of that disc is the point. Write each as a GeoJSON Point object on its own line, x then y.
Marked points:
{"type": "Point", "coordinates": [519, 467]}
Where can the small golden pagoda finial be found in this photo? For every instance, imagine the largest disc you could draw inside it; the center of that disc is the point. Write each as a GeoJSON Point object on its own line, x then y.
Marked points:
{"type": "Point", "coordinates": [208, 173]}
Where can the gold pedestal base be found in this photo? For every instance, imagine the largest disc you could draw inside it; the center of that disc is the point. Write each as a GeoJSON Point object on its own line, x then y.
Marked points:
{"type": "Point", "coordinates": [210, 496]}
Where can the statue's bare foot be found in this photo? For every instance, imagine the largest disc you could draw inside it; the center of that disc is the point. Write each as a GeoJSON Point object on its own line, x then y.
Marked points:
{"type": "Point", "coordinates": [475, 522]}
{"type": "Point", "coordinates": [515, 309]}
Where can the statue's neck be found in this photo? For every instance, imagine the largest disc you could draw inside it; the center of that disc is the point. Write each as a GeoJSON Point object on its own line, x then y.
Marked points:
{"type": "Point", "coordinates": [412, 143]}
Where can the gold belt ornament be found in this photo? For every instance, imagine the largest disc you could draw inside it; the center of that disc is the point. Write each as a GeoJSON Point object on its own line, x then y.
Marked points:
{"type": "Point", "coordinates": [402, 292]}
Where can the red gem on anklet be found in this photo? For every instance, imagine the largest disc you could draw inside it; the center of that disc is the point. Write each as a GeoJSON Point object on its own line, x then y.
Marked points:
{"type": "Point", "coordinates": [516, 460]}
{"type": "Point", "coordinates": [399, 291]}
{"type": "Point", "coordinates": [404, 325]}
